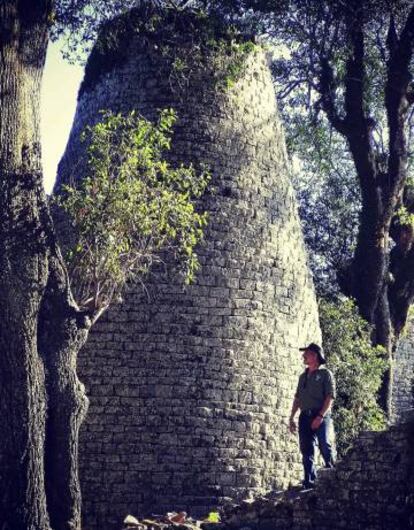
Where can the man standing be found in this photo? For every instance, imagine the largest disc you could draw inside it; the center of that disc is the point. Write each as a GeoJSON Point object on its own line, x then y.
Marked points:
{"type": "Point", "coordinates": [314, 396]}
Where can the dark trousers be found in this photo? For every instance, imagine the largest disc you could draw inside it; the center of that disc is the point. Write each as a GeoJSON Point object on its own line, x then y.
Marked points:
{"type": "Point", "coordinates": [308, 439]}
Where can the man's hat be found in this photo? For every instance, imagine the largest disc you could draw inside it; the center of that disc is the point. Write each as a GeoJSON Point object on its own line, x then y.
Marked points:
{"type": "Point", "coordinates": [316, 349]}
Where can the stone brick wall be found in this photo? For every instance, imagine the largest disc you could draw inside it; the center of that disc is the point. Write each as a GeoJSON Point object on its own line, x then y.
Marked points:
{"type": "Point", "coordinates": [403, 373]}
{"type": "Point", "coordinates": [372, 488]}
{"type": "Point", "coordinates": [190, 387]}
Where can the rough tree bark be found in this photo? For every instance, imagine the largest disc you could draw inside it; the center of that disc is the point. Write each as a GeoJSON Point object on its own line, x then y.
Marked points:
{"type": "Point", "coordinates": [41, 330]}
{"type": "Point", "coordinates": [63, 330]}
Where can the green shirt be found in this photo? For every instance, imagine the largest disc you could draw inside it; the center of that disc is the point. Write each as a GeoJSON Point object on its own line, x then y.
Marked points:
{"type": "Point", "coordinates": [313, 387]}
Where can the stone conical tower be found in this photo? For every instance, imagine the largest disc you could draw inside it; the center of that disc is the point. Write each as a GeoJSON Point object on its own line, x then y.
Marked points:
{"type": "Point", "coordinates": [191, 386]}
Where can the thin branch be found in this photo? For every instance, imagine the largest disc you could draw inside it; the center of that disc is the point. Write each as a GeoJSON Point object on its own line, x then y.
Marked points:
{"type": "Point", "coordinates": [289, 88]}
{"type": "Point", "coordinates": [397, 105]}
{"type": "Point", "coordinates": [327, 89]}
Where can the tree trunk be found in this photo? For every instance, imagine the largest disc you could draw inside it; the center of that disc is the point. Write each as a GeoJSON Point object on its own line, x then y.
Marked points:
{"type": "Point", "coordinates": [40, 419]}
{"type": "Point", "coordinates": [369, 285]}
{"type": "Point", "coordinates": [23, 277]}
{"type": "Point", "coordinates": [370, 281]}
{"type": "Point", "coordinates": [62, 332]}
{"type": "Point", "coordinates": [370, 262]}
{"type": "Point", "coordinates": [383, 335]}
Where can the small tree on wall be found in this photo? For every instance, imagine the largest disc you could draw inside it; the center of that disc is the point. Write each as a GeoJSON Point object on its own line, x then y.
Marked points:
{"type": "Point", "coordinates": [358, 367]}
{"type": "Point", "coordinates": [128, 207]}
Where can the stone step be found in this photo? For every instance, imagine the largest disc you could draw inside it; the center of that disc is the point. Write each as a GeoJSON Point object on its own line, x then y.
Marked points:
{"type": "Point", "coordinates": [326, 475]}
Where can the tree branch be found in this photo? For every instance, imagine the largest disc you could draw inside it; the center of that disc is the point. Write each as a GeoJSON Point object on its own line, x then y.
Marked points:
{"type": "Point", "coordinates": [328, 96]}
{"type": "Point", "coordinates": [398, 97]}
{"type": "Point", "coordinates": [359, 124]}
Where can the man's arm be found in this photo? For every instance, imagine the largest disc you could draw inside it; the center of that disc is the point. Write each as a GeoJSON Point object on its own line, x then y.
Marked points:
{"type": "Point", "coordinates": [292, 423]}
{"type": "Point", "coordinates": [324, 410]}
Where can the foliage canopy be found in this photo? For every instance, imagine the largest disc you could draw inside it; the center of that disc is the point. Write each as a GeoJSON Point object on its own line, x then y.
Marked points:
{"type": "Point", "coordinates": [329, 198]}
{"type": "Point", "coordinates": [358, 368]}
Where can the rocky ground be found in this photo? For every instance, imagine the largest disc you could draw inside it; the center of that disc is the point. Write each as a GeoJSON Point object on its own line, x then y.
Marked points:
{"type": "Point", "coordinates": [257, 513]}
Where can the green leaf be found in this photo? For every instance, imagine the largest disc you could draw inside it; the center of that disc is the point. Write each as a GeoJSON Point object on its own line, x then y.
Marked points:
{"type": "Point", "coordinates": [213, 517]}
{"type": "Point", "coordinates": [130, 206]}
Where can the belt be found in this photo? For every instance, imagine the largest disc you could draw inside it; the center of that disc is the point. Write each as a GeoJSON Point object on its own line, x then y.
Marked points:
{"type": "Point", "coordinates": [310, 412]}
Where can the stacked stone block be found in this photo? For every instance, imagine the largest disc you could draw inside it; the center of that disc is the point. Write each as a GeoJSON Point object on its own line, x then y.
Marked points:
{"type": "Point", "coordinates": [190, 387]}
{"type": "Point", "coordinates": [403, 373]}
{"type": "Point", "coordinates": [372, 488]}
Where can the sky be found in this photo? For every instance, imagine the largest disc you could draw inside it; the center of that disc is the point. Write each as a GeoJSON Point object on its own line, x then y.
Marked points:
{"type": "Point", "coordinates": [58, 104]}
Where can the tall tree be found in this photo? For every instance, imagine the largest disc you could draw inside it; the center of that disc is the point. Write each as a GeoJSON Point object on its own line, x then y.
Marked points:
{"type": "Point", "coordinates": [41, 326]}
